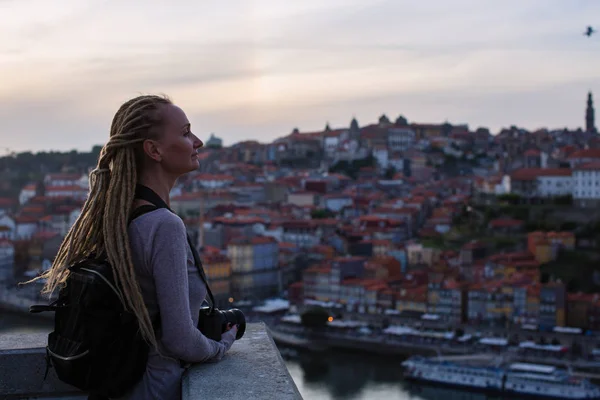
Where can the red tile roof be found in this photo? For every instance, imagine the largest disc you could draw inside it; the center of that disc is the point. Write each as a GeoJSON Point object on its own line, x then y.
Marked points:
{"type": "Point", "coordinates": [505, 223]}
{"type": "Point", "coordinates": [591, 166]}
{"type": "Point", "coordinates": [586, 153]}
{"type": "Point", "coordinates": [530, 174]}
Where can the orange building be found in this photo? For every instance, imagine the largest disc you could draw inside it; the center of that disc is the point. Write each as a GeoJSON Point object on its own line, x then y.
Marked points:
{"type": "Point", "coordinates": [545, 245]}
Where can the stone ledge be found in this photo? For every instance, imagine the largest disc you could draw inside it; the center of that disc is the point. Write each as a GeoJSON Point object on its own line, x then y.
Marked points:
{"type": "Point", "coordinates": [22, 368]}
{"type": "Point", "coordinates": [251, 369]}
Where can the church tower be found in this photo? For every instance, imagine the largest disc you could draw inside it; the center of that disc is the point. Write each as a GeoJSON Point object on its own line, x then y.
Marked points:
{"type": "Point", "coordinates": [589, 115]}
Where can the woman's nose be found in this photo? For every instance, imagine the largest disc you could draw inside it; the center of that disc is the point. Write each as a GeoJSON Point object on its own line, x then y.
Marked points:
{"type": "Point", "coordinates": [198, 143]}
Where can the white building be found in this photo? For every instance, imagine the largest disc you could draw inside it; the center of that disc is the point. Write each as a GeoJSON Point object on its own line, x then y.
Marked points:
{"type": "Point", "coordinates": [66, 179]}
{"type": "Point", "coordinates": [397, 162]}
{"type": "Point", "coordinates": [8, 227]}
{"type": "Point", "coordinates": [25, 227]}
{"type": "Point", "coordinates": [331, 142]}
{"type": "Point", "coordinates": [336, 202]}
{"type": "Point", "coordinates": [212, 181]}
{"type": "Point", "coordinates": [71, 191]}
{"type": "Point", "coordinates": [401, 139]}
{"type": "Point", "coordinates": [73, 215]}
{"type": "Point", "coordinates": [27, 193]}
{"type": "Point", "coordinates": [586, 184]}
{"type": "Point", "coordinates": [381, 155]}
{"type": "Point", "coordinates": [541, 182]}
{"type": "Point", "coordinates": [7, 258]}
{"type": "Point", "coordinates": [554, 185]}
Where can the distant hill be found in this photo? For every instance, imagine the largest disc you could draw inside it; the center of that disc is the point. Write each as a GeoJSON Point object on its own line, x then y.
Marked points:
{"type": "Point", "coordinates": [21, 168]}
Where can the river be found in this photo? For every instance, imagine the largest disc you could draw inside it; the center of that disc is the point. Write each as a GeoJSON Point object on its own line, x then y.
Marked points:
{"type": "Point", "coordinates": [327, 376]}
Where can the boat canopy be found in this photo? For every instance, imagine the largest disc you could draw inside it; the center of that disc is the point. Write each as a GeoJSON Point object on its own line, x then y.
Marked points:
{"type": "Point", "coordinates": [537, 368]}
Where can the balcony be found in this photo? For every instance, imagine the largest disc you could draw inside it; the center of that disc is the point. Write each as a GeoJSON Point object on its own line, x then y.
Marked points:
{"type": "Point", "coordinates": [252, 369]}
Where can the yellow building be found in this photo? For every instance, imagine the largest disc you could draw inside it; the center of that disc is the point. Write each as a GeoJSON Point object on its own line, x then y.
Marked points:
{"type": "Point", "coordinates": [381, 248]}
{"type": "Point", "coordinates": [426, 131]}
{"type": "Point", "coordinates": [545, 244]}
{"type": "Point", "coordinates": [218, 273]}
{"type": "Point", "coordinates": [417, 254]}
{"type": "Point", "coordinates": [412, 299]}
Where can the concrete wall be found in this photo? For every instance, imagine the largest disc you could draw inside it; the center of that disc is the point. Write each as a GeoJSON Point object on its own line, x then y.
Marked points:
{"type": "Point", "coordinates": [252, 369]}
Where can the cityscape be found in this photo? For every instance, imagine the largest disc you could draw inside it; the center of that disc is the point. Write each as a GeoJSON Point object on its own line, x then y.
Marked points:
{"type": "Point", "coordinates": [431, 237]}
{"type": "Point", "coordinates": [383, 200]}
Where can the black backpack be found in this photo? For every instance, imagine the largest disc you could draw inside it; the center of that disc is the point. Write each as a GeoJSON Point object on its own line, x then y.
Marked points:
{"type": "Point", "coordinates": [96, 344]}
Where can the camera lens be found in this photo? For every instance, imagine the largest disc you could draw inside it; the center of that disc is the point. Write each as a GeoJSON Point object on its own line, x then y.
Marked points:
{"type": "Point", "coordinates": [234, 317]}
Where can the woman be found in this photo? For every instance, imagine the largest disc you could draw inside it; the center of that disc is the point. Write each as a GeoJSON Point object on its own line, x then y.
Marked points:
{"type": "Point", "coordinates": [151, 144]}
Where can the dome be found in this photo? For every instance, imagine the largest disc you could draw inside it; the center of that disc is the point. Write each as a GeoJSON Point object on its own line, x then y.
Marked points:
{"type": "Point", "coordinates": [214, 141]}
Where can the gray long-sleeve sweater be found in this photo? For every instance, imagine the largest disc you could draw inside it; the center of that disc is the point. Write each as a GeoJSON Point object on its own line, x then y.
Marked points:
{"type": "Point", "coordinates": [172, 287]}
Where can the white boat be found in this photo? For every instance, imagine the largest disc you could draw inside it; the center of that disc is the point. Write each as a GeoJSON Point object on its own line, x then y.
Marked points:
{"type": "Point", "coordinates": [548, 382]}
{"type": "Point", "coordinates": [448, 373]}
{"type": "Point", "coordinates": [518, 378]}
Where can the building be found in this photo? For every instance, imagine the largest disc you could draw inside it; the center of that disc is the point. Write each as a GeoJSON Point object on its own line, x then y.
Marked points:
{"type": "Point", "coordinates": [541, 182]}
{"type": "Point", "coordinates": [255, 269]}
{"type": "Point", "coordinates": [218, 273]}
{"type": "Point", "coordinates": [590, 125]}
{"type": "Point", "coordinates": [214, 142]}
{"type": "Point", "coordinates": [447, 298]}
{"type": "Point", "coordinates": [400, 139]}
{"type": "Point", "coordinates": [302, 233]}
{"type": "Point", "coordinates": [7, 259]}
{"type": "Point", "coordinates": [586, 184]}
{"type": "Point", "coordinates": [316, 282]}
{"type": "Point", "coordinates": [552, 305]}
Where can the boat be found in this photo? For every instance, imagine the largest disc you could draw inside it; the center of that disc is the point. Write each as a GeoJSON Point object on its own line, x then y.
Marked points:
{"type": "Point", "coordinates": [524, 379]}
{"type": "Point", "coordinates": [448, 373]}
{"type": "Point", "coordinates": [548, 382]}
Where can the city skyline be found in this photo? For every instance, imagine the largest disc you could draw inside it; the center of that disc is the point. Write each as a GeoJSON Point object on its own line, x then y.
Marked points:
{"type": "Point", "coordinates": [258, 69]}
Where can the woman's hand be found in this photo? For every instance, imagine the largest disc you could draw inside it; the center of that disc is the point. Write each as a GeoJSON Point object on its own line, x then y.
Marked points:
{"type": "Point", "coordinates": [231, 326]}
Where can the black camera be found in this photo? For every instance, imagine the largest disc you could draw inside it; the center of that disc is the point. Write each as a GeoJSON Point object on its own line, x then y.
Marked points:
{"type": "Point", "coordinates": [213, 322]}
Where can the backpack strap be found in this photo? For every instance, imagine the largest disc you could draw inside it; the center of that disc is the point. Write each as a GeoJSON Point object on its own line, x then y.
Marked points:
{"type": "Point", "coordinates": [37, 308]}
{"type": "Point", "coordinates": [141, 210]}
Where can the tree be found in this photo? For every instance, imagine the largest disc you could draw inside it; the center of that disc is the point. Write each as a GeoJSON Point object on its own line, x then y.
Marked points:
{"type": "Point", "coordinates": [321, 213]}
{"type": "Point", "coordinates": [576, 348]}
{"type": "Point", "coordinates": [390, 172]}
{"type": "Point", "coordinates": [510, 198]}
{"type": "Point", "coordinates": [314, 317]}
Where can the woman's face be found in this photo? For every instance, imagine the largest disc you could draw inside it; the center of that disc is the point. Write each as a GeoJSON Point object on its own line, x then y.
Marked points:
{"type": "Point", "coordinates": [177, 145]}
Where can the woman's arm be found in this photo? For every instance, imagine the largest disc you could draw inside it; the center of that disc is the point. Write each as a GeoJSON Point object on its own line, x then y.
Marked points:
{"type": "Point", "coordinates": [168, 261]}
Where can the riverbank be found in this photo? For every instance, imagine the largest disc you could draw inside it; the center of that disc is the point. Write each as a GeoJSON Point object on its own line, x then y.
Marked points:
{"type": "Point", "coordinates": [365, 345]}
{"type": "Point", "coordinates": [394, 347]}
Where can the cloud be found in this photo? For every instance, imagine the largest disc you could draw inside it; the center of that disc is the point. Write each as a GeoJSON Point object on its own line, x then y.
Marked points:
{"type": "Point", "coordinates": [272, 65]}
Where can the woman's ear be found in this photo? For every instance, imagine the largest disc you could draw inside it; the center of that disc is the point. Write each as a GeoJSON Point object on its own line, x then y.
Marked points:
{"type": "Point", "coordinates": [152, 150]}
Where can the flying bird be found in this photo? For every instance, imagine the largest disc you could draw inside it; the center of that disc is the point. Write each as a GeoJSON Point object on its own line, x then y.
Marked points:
{"type": "Point", "coordinates": [589, 31]}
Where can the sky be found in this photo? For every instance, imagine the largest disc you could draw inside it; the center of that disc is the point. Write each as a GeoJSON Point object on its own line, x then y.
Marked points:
{"type": "Point", "coordinates": [257, 69]}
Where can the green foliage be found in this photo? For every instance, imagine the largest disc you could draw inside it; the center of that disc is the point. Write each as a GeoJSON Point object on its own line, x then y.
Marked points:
{"type": "Point", "coordinates": [574, 268]}
{"type": "Point", "coordinates": [314, 317]}
{"type": "Point", "coordinates": [505, 243]}
{"type": "Point", "coordinates": [322, 213]}
{"type": "Point", "coordinates": [515, 211]}
{"type": "Point", "coordinates": [390, 172]}
{"type": "Point", "coordinates": [22, 168]}
{"type": "Point", "coordinates": [563, 200]}
{"type": "Point", "coordinates": [351, 168]}
{"type": "Point", "coordinates": [434, 243]}
{"type": "Point", "coordinates": [510, 198]}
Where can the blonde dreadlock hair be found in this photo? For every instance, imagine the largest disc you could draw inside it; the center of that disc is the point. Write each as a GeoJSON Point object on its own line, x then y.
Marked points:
{"type": "Point", "coordinates": [101, 228]}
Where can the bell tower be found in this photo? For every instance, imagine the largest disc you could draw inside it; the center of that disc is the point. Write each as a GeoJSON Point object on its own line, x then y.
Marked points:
{"type": "Point", "coordinates": [589, 115]}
